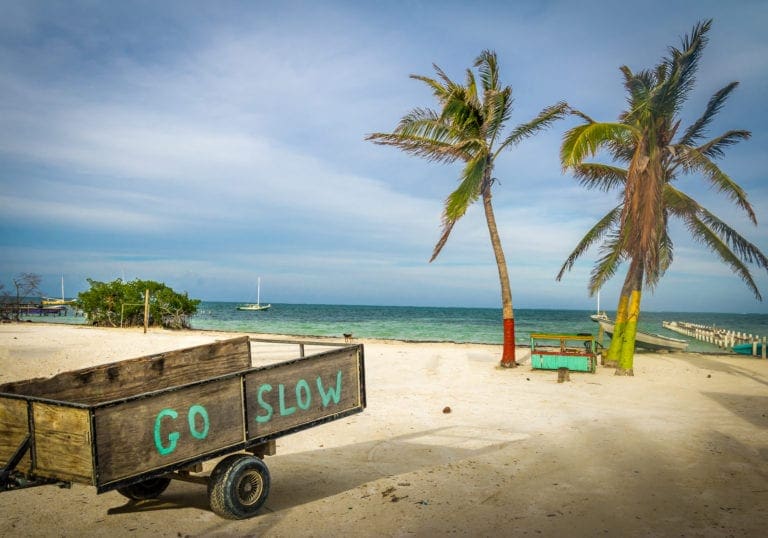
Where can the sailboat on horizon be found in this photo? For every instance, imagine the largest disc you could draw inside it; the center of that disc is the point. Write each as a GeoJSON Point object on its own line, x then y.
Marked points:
{"type": "Point", "coordinates": [599, 316]}
{"type": "Point", "coordinates": [51, 301]}
{"type": "Point", "coordinates": [256, 306]}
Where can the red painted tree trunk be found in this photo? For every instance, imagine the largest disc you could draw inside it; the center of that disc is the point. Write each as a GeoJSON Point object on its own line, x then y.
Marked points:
{"type": "Point", "coordinates": [508, 353]}
{"type": "Point", "coordinates": [507, 314]}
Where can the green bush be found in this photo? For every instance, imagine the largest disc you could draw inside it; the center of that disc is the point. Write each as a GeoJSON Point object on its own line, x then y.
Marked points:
{"type": "Point", "coordinates": [121, 304]}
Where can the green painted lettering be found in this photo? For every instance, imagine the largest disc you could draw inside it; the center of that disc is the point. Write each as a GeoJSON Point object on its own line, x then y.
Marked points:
{"type": "Point", "coordinates": [332, 394]}
{"type": "Point", "coordinates": [173, 437]}
{"type": "Point", "coordinates": [264, 405]}
{"type": "Point", "coordinates": [303, 394]}
{"type": "Point", "coordinates": [194, 411]}
{"type": "Point", "coordinates": [284, 411]}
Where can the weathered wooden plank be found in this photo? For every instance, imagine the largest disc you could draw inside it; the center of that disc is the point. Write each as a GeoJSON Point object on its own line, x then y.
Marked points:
{"type": "Point", "coordinates": [141, 435]}
{"type": "Point", "coordinates": [63, 442]}
{"type": "Point", "coordinates": [291, 395]}
{"type": "Point", "coordinates": [144, 374]}
{"type": "Point", "coordinates": [14, 426]}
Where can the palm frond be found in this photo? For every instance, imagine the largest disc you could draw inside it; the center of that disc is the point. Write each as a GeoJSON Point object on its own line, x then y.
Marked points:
{"type": "Point", "coordinates": [439, 90]}
{"type": "Point", "coordinates": [702, 232]}
{"type": "Point", "coordinates": [711, 231]}
{"type": "Point", "coordinates": [471, 95]}
{"type": "Point", "coordinates": [683, 64]}
{"type": "Point", "coordinates": [698, 128]}
{"type": "Point", "coordinates": [429, 149]}
{"type": "Point", "coordinates": [468, 190]}
{"type": "Point", "coordinates": [595, 234]}
{"type": "Point", "coordinates": [448, 84]}
{"type": "Point", "coordinates": [543, 120]}
{"type": "Point", "coordinates": [678, 203]}
{"type": "Point", "coordinates": [586, 139]}
{"type": "Point", "coordinates": [693, 160]}
{"type": "Point", "coordinates": [424, 122]}
{"type": "Point", "coordinates": [447, 227]}
{"type": "Point", "coordinates": [488, 68]}
{"type": "Point", "coordinates": [665, 255]}
{"type": "Point", "coordinates": [744, 249]}
{"type": "Point", "coordinates": [463, 112]}
{"type": "Point", "coordinates": [600, 176]}
{"type": "Point", "coordinates": [497, 107]}
{"type": "Point", "coordinates": [613, 253]}
{"type": "Point", "coordinates": [715, 147]}
{"type": "Point", "coordinates": [575, 112]}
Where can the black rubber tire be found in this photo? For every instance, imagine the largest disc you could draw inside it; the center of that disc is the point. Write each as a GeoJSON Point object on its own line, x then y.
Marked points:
{"type": "Point", "coordinates": [238, 486]}
{"type": "Point", "coordinates": [149, 489]}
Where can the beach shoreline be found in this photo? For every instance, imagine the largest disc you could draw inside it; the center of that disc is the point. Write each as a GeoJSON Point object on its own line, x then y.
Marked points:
{"type": "Point", "coordinates": [680, 449]}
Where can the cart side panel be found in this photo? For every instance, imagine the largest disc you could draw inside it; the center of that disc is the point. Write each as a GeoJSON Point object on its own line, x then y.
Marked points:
{"type": "Point", "coordinates": [146, 434]}
{"type": "Point", "coordinates": [554, 361]}
{"type": "Point", "coordinates": [144, 374]}
{"type": "Point", "coordinates": [298, 394]}
{"type": "Point", "coordinates": [14, 425]}
{"type": "Point", "coordinates": [63, 448]}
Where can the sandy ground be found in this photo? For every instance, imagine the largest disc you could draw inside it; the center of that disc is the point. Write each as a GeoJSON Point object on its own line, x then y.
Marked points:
{"type": "Point", "coordinates": [681, 449]}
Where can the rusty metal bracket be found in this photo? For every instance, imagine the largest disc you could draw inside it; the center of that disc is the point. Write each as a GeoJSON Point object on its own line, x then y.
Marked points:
{"type": "Point", "coordinates": [11, 479]}
{"type": "Point", "coordinates": [5, 472]}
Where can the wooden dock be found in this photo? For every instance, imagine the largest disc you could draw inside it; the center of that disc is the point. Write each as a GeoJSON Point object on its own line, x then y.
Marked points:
{"type": "Point", "coordinates": [14, 310]}
{"type": "Point", "coordinates": [722, 338]}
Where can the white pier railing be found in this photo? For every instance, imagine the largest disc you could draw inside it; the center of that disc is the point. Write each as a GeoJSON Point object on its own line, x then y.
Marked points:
{"type": "Point", "coordinates": [722, 338]}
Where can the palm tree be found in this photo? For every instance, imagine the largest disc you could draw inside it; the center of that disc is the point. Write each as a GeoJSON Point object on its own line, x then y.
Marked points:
{"type": "Point", "coordinates": [469, 127]}
{"type": "Point", "coordinates": [646, 141]}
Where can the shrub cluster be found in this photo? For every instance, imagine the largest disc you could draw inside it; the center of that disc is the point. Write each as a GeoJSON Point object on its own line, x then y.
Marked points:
{"type": "Point", "coordinates": [121, 304]}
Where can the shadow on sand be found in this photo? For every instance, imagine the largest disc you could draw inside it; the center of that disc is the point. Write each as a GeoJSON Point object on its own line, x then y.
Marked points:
{"type": "Point", "coordinates": [303, 477]}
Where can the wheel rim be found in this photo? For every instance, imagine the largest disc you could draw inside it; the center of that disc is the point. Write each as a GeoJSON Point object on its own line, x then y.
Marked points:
{"type": "Point", "coordinates": [250, 487]}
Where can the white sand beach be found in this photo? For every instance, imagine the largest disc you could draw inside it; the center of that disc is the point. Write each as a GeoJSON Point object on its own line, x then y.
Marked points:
{"type": "Point", "coordinates": [681, 449]}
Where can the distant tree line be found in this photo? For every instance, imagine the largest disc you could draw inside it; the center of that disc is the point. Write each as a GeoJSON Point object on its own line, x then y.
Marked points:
{"type": "Point", "coordinates": [108, 304]}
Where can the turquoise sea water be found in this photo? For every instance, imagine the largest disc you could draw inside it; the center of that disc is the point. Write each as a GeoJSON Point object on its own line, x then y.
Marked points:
{"type": "Point", "coordinates": [476, 325]}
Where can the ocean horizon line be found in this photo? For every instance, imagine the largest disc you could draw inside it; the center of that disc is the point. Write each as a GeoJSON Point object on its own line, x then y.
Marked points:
{"type": "Point", "coordinates": [548, 308]}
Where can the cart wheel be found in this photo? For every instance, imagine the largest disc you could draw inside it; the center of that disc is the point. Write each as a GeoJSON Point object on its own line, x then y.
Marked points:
{"type": "Point", "coordinates": [238, 486]}
{"type": "Point", "coordinates": [148, 489]}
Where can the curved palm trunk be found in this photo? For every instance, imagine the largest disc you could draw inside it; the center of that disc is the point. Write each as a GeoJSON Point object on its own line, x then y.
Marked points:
{"type": "Point", "coordinates": [621, 352]}
{"type": "Point", "coordinates": [508, 352]}
{"type": "Point", "coordinates": [625, 363]}
{"type": "Point", "coordinates": [614, 350]}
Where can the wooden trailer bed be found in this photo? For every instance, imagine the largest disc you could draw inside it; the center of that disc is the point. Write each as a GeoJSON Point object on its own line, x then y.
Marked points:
{"type": "Point", "coordinates": [132, 424]}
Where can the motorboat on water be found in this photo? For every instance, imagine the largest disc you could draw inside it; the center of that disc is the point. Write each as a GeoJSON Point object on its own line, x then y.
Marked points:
{"type": "Point", "coordinates": [652, 342]}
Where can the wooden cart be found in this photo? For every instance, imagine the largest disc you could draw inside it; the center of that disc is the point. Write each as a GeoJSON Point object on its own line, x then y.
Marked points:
{"type": "Point", "coordinates": [552, 351]}
{"type": "Point", "coordinates": [136, 424]}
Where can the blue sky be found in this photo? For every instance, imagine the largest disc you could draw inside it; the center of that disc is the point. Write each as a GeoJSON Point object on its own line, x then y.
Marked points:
{"type": "Point", "coordinates": [204, 144]}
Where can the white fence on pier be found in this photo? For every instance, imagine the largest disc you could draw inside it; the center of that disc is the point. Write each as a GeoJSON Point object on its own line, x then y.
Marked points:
{"type": "Point", "coordinates": [722, 338]}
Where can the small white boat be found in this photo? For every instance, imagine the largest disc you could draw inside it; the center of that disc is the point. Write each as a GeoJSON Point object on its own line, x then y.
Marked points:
{"type": "Point", "coordinates": [52, 301]}
{"type": "Point", "coordinates": [254, 306]}
{"type": "Point", "coordinates": [257, 305]}
{"type": "Point", "coordinates": [599, 316]}
{"type": "Point", "coordinates": [653, 342]}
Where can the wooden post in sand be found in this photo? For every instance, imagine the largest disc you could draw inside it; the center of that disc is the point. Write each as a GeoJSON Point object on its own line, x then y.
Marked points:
{"type": "Point", "coordinates": [146, 310]}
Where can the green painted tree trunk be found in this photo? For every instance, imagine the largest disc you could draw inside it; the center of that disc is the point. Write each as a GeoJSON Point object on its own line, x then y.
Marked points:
{"type": "Point", "coordinates": [625, 363]}
{"type": "Point", "coordinates": [614, 349]}
{"type": "Point", "coordinates": [620, 323]}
